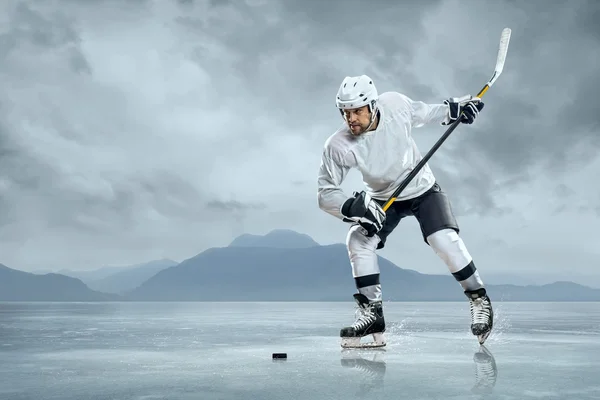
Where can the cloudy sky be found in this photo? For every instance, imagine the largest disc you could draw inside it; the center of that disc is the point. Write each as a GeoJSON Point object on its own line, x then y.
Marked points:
{"type": "Point", "coordinates": [137, 130]}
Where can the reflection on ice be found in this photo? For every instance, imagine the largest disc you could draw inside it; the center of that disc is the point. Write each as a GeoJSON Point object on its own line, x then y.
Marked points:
{"type": "Point", "coordinates": [371, 365]}
{"type": "Point", "coordinates": [486, 371]}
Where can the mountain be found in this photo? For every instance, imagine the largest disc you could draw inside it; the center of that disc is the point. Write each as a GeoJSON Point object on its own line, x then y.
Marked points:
{"type": "Point", "coordinates": [316, 273]}
{"type": "Point", "coordinates": [279, 266]}
{"type": "Point", "coordinates": [536, 278]}
{"type": "Point", "coordinates": [557, 291]}
{"type": "Point", "coordinates": [278, 238]}
{"type": "Point", "coordinates": [92, 276]}
{"type": "Point", "coordinates": [252, 273]}
{"type": "Point", "coordinates": [509, 279]}
{"type": "Point", "coordinates": [24, 286]}
{"type": "Point", "coordinates": [89, 275]}
{"type": "Point", "coordinates": [126, 279]}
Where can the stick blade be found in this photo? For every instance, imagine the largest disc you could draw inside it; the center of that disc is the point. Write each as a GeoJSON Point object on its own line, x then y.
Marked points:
{"type": "Point", "coordinates": [502, 50]}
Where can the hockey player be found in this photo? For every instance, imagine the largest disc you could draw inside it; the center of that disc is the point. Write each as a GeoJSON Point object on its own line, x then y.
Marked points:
{"type": "Point", "coordinates": [376, 139]}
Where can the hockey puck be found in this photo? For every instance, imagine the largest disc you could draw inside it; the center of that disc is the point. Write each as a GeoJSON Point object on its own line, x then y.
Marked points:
{"type": "Point", "coordinates": [279, 356]}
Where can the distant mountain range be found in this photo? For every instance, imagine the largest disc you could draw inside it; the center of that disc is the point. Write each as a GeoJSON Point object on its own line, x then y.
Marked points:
{"type": "Point", "coordinates": [282, 265]}
{"type": "Point", "coordinates": [126, 279]}
{"type": "Point", "coordinates": [278, 238]}
{"type": "Point", "coordinates": [24, 286]}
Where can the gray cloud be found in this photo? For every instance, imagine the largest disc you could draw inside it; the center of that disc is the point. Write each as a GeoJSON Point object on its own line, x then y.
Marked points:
{"type": "Point", "coordinates": [157, 129]}
{"type": "Point", "coordinates": [542, 111]}
{"type": "Point", "coordinates": [538, 115]}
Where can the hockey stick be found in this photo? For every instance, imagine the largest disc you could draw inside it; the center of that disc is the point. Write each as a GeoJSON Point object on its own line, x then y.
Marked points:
{"type": "Point", "coordinates": [503, 49]}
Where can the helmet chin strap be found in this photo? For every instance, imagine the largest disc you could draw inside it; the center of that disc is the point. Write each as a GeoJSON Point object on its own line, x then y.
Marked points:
{"type": "Point", "coordinates": [374, 112]}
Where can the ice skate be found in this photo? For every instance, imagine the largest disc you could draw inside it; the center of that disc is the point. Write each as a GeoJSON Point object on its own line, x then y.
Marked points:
{"type": "Point", "coordinates": [482, 314]}
{"type": "Point", "coordinates": [486, 372]}
{"type": "Point", "coordinates": [369, 321]}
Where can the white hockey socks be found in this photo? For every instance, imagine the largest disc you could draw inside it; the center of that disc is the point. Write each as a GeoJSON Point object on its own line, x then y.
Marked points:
{"type": "Point", "coordinates": [451, 249]}
{"type": "Point", "coordinates": [365, 268]}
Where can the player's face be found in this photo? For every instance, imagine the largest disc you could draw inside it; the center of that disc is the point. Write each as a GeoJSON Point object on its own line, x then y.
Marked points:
{"type": "Point", "coordinates": [358, 119]}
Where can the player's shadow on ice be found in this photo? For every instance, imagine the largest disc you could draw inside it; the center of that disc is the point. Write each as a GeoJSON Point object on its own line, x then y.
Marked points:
{"type": "Point", "coordinates": [371, 364]}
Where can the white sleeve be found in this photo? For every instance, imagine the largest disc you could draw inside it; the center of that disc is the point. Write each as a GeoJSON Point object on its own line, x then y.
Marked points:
{"type": "Point", "coordinates": [423, 113]}
{"type": "Point", "coordinates": [331, 175]}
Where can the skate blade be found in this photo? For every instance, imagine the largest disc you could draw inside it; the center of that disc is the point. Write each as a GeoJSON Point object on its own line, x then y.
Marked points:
{"type": "Point", "coordinates": [355, 343]}
{"type": "Point", "coordinates": [483, 337]}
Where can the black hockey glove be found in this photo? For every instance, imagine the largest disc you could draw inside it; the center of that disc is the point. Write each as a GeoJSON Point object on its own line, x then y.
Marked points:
{"type": "Point", "coordinates": [469, 105]}
{"type": "Point", "coordinates": [361, 208]}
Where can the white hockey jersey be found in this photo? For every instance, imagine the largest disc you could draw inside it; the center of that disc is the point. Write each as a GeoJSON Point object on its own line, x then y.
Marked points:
{"type": "Point", "coordinates": [384, 156]}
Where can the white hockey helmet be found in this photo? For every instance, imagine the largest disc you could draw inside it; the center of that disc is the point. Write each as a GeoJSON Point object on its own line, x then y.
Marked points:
{"type": "Point", "coordinates": [356, 92]}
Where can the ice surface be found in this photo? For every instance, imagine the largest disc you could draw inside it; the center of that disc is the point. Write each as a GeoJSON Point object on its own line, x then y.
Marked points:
{"type": "Point", "coordinates": [209, 351]}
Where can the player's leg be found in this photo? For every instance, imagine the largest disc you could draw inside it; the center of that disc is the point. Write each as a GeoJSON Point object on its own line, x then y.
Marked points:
{"type": "Point", "coordinates": [440, 231]}
{"type": "Point", "coordinates": [365, 271]}
{"type": "Point", "coordinates": [363, 260]}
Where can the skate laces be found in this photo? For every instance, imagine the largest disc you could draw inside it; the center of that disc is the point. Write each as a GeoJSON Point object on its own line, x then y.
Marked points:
{"type": "Point", "coordinates": [480, 310]}
{"type": "Point", "coordinates": [364, 316]}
